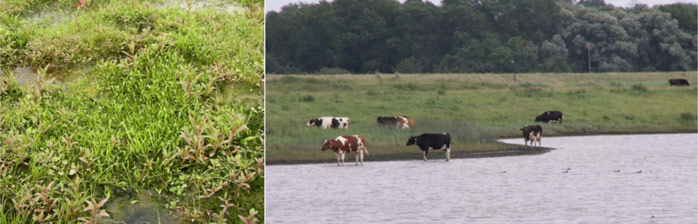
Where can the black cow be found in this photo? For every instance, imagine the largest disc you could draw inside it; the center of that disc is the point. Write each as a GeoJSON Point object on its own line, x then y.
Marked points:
{"type": "Point", "coordinates": [532, 133]}
{"type": "Point", "coordinates": [387, 120]}
{"type": "Point", "coordinates": [678, 82]}
{"type": "Point", "coordinates": [432, 141]}
{"type": "Point", "coordinates": [550, 116]}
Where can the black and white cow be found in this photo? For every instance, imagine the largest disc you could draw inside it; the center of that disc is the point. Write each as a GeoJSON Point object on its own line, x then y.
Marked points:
{"type": "Point", "coordinates": [550, 116]}
{"type": "Point", "coordinates": [329, 122]}
{"type": "Point", "coordinates": [533, 134]}
{"type": "Point", "coordinates": [678, 82]}
{"type": "Point", "coordinates": [432, 141]}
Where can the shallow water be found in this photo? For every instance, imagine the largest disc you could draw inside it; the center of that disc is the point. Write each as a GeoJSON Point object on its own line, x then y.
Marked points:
{"type": "Point", "coordinates": [28, 75]}
{"type": "Point", "coordinates": [222, 6]}
{"type": "Point", "coordinates": [517, 189]}
{"type": "Point", "coordinates": [140, 209]}
{"type": "Point", "coordinates": [24, 75]}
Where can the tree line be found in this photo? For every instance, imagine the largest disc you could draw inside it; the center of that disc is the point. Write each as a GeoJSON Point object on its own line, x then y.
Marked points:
{"type": "Point", "coordinates": [479, 36]}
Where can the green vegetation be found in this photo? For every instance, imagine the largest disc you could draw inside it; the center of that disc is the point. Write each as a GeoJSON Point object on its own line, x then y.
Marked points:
{"type": "Point", "coordinates": [475, 108]}
{"type": "Point", "coordinates": [685, 14]}
{"type": "Point", "coordinates": [146, 102]}
{"type": "Point", "coordinates": [487, 36]}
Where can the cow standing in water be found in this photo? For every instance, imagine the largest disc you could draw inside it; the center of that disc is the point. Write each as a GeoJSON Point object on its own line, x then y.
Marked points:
{"type": "Point", "coordinates": [432, 141]}
{"type": "Point", "coordinates": [532, 133]}
{"type": "Point", "coordinates": [347, 144]}
{"type": "Point", "coordinates": [329, 122]}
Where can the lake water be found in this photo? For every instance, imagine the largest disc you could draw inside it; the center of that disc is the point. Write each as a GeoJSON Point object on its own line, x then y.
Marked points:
{"type": "Point", "coordinates": [517, 189]}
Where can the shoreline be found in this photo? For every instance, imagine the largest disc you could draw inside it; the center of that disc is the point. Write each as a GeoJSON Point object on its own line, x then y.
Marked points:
{"type": "Point", "coordinates": [506, 150]}
{"type": "Point", "coordinates": [522, 151]}
{"type": "Point", "coordinates": [573, 134]}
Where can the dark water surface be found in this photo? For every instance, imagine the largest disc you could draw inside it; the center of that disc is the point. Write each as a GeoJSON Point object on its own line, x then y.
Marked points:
{"type": "Point", "coordinates": [602, 186]}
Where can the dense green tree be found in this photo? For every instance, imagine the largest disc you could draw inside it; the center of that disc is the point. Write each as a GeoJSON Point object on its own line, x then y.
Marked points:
{"type": "Point", "coordinates": [464, 36]}
{"type": "Point", "coordinates": [553, 55]}
{"type": "Point", "coordinates": [685, 14]}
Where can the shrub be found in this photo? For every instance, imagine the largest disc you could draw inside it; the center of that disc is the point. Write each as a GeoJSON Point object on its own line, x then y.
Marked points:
{"type": "Point", "coordinates": [408, 86]}
{"type": "Point", "coordinates": [639, 87]}
{"type": "Point", "coordinates": [308, 98]}
{"type": "Point", "coordinates": [533, 85]}
{"type": "Point", "coordinates": [291, 79]}
{"type": "Point", "coordinates": [431, 101]}
{"type": "Point", "coordinates": [332, 71]}
{"type": "Point", "coordinates": [410, 65]}
{"type": "Point", "coordinates": [687, 117]}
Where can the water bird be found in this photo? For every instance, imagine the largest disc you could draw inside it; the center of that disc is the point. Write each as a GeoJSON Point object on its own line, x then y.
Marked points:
{"type": "Point", "coordinates": [503, 171]}
{"type": "Point", "coordinates": [566, 171]}
{"type": "Point", "coordinates": [617, 171]}
{"type": "Point", "coordinates": [639, 171]}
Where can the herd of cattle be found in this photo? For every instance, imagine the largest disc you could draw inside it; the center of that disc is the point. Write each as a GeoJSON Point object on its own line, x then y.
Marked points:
{"type": "Point", "coordinates": [356, 144]}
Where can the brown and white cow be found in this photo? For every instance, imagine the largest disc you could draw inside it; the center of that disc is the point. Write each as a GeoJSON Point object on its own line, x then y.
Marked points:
{"type": "Point", "coordinates": [401, 122]}
{"type": "Point", "coordinates": [533, 134]}
{"type": "Point", "coordinates": [404, 122]}
{"type": "Point", "coordinates": [347, 144]}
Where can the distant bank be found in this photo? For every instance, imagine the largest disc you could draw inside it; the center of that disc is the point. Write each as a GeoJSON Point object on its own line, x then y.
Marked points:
{"type": "Point", "coordinates": [477, 109]}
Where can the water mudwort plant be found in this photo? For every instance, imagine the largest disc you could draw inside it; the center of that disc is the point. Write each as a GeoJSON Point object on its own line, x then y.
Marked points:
{"type": "Point", "coordinates": [131, 111]}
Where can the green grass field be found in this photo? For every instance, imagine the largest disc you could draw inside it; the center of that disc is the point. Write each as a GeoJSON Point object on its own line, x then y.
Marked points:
{"type": "Point", "coordinates": [475, 108]}
{"type": "Point", "coordinates": [133, 111]}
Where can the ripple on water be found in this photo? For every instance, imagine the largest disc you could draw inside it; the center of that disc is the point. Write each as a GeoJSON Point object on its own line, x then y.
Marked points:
{"type": "Point", "coordinates": [535, 189]}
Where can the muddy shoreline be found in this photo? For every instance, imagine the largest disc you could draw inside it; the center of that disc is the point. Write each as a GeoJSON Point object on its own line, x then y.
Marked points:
{"type": "Point", "coordinates": [434, 155]}
{"type": "Point", "coordinates": [519, 150]}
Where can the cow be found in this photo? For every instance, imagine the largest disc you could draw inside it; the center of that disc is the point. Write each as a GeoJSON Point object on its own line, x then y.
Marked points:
{"type": "Point", "coordinates": [432, 141]}
{"type": "Point", "coordinates": [347, 144]}
{"type": "Point", "coordinates": [329, 122]}
{"type": "Point", "coordinates": [401, 122]}
{"type": "Point", "coordinates": [386, 120]}
{"type": "Point", "coordinates": [678, 82]}
{"type": "Point", "coordinates": [532, 133]}
{"type": "Point", "coordinates": [404, 122]}
{"type": "Point", "coordinates": [550, 116]}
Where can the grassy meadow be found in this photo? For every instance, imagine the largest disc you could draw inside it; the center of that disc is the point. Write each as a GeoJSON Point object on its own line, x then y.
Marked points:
{"type": "Point", "coordinates": [131, 111]}
{"type": "Point", "coordinates": [475, 108]}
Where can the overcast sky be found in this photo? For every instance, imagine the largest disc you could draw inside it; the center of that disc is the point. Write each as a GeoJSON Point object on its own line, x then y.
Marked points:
{"type": "Point", "coordinates": [275, 5]}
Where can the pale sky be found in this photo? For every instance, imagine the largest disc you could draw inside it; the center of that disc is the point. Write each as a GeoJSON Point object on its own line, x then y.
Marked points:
{"type": "Point", "coordinates": [275, 5]}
